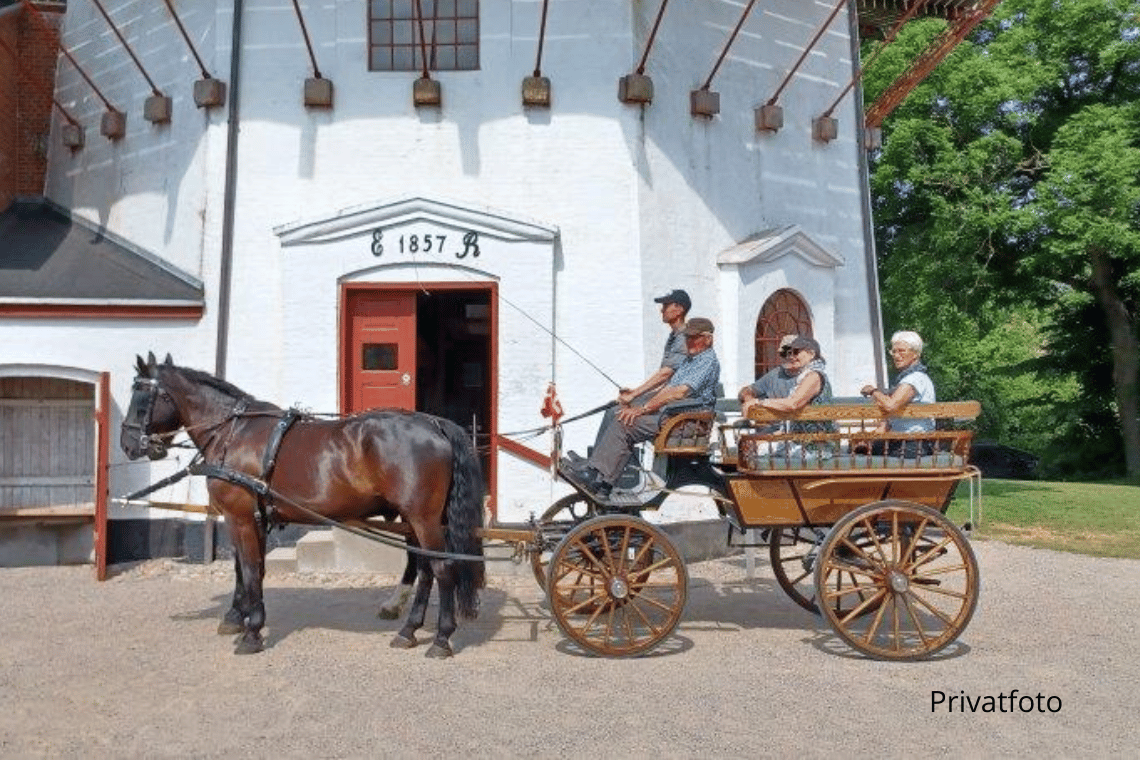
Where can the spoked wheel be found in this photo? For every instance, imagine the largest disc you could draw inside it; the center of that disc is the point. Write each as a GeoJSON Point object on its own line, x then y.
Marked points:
{"type": "Point", "coordinates": [553, 526]}
{"type": "Point", "coordinates": [617, 585]}
{"type": "Point", "coordinates": [911, 566]}
{"type": "Point", "coordinates": [794, 552]}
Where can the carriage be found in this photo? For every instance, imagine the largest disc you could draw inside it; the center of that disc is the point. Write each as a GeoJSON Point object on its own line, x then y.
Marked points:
{"type": "Point", "coordinates": [853, 518]}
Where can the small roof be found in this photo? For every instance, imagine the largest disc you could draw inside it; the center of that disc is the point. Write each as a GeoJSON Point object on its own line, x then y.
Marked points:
{"type": "Point", "coordinates": [48, 256]}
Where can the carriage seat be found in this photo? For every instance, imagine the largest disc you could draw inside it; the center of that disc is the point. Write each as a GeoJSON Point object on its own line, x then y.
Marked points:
{"type": "Point", "coordinates": [685, 433]}
{"type": "Point", "coordinates": [850, 440]}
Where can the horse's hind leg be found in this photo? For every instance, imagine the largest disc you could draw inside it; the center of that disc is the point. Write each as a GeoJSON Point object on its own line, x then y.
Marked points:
{"type": "Point", "coordinates": [406, 638]}
{"type": "Point", "coordinates": [234, 619]}
{"type": "Point", "coordinates": [446, 625]}
{"type": "Point", "coordinates": [390, 610]}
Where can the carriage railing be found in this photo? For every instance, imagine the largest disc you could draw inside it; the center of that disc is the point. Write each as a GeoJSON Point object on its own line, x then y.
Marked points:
{"type": "Point", "coordinates": [847, 437]}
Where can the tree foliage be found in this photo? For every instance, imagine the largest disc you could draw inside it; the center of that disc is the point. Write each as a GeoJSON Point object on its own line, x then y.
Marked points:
{"type": "Point", "coordinates": [1007, 211]}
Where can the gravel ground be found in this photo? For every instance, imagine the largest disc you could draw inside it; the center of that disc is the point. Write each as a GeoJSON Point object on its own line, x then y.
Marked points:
{"type": "Point", "coordinates": [133, 668]}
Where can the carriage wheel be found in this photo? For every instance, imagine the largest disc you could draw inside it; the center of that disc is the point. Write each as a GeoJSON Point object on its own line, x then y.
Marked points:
{"type": "Point", "coordinates": [794, 552]}
{"type": "Point", "coordinates": [617, 585]}
{"type": "Point", "coordinates": [915, 570]}
{"type": "Point", "coordinates": [553, 526]}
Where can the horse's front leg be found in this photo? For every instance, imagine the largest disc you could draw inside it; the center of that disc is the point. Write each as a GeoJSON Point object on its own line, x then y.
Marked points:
{"type": "Point", "coordinates": [234, 619]}
{"type": "Point", "coordinates": [249, 544]}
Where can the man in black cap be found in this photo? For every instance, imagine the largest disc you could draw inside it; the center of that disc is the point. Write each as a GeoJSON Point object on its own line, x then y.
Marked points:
{"type": "Point", "coordinates": [674, 307]}
{"type": "Point", "coordinates": [694, 383]}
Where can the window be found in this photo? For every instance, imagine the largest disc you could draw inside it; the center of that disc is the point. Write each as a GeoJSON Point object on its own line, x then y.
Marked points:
{"type": "Point", "coordinates": [400, 32]}
{"type": "Point", "coordinates": [784, 313]}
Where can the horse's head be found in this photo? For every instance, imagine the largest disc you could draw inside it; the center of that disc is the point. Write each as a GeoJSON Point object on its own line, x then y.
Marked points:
{"type": "Point", "coordinates": [151, 415]}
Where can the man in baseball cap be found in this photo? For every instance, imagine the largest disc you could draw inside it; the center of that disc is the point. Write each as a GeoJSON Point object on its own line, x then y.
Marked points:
{"type": "Point", "coordinates": [674, 307]}
{"type": "Point", "coordinates": [679, 297]}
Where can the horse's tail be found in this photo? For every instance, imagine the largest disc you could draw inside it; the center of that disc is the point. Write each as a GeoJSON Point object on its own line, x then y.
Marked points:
{"type": "Point", "coordinates": [464, 516]}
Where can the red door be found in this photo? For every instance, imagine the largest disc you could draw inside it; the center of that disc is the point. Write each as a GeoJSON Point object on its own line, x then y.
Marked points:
{"type": "Point", "coordinates": [381, 350]}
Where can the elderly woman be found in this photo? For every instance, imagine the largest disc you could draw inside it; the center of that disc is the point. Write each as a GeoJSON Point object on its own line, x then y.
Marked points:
{"type": "Point", "coordinates": [806, 364]}
{"type": "Point", "coordinates": [912, 385]}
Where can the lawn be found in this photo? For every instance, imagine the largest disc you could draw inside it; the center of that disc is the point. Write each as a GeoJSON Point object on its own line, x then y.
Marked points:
{"type": "Point", "coordinates": [1101, 519]}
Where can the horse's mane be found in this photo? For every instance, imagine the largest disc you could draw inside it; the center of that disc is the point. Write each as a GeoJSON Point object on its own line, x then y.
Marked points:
{"type": "Point", "coordinates": [225, 387]}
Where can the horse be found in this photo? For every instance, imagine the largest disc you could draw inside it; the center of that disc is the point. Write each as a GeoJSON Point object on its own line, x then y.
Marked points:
{"type": "Point", "coordinates": [385, 462]}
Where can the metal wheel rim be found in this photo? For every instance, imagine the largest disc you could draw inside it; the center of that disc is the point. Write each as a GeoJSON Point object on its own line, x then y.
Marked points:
{"type": "Point", "coordinates": [919, 579]}
{"type": "Point", "coordinates": [617, 586]}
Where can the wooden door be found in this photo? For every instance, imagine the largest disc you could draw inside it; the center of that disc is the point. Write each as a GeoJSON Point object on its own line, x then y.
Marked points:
{"type": "Point", "coordinates": [381, 350]}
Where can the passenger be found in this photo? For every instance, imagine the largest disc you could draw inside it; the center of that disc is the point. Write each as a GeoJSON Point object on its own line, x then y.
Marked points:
{"type": "Point", "coordinates": [912, 385]}
{"type": "Point", "coordinates": [775, 383]}
{"type": "Point", "coordinates": [809, 370]}
{"type": "Point", "coordinates": [693, 385]}
{"type": "Point", "coordinates": [674, 308]}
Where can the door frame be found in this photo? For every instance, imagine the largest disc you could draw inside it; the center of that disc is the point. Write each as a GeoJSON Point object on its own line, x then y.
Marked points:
{"type": "Point", "coordinates": [344, 354]}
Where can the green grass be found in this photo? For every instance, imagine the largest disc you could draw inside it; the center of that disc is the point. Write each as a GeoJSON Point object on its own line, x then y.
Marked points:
{"type": "Point", "coordinates": [1101, 519]}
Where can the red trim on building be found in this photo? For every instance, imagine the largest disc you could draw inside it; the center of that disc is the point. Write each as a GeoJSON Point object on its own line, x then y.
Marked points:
{"type": "Point", "coordinates": [97, 311]}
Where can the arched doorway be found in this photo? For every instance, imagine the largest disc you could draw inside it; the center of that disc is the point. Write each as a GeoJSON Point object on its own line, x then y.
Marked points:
{"type": "Point", "coordinates": [784, 313]}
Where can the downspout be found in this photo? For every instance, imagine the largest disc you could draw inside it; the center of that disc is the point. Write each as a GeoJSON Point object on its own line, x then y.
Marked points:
{"type": "Point", "coordinates": [872, 262]}
{"type": "Point", "coordinates": [225, 267]}
{"type": "Point", "coordinates": [226, 264]}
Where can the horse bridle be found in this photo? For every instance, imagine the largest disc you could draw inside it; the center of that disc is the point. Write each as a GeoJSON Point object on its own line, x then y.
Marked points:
{"type": "Point", "coordinates": [145, 392]}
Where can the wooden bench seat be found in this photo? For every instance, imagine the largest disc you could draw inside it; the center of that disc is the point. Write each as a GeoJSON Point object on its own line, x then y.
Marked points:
{"type": "Point", "coordinates": [850, 439]}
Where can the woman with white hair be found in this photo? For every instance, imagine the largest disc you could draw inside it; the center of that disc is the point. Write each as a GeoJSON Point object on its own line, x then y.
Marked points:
{"type": "Point", "coordinates": [912, 385]}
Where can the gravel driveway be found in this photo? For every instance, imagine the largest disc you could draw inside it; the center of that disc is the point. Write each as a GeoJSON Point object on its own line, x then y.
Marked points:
{"type": "Point", "coordinates": [132, 668]}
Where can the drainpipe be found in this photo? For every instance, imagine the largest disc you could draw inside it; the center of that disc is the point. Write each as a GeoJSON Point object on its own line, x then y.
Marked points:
{"type": "Point", "coordinates": [871, 259]}
{"type": "Point", "coordinates": [226, 264]}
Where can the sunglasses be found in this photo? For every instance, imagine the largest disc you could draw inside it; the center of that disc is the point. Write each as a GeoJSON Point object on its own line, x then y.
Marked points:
{"type": "Point", "coordinates": [785, 352]}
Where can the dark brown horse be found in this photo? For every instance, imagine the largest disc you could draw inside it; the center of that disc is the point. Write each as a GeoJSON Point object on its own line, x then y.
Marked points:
{"type": "Point", "coordinates": [379, 463]}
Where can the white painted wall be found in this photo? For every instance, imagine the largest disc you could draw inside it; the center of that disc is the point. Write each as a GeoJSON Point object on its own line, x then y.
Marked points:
{"type": "Point", "coordinates": [643, 198]}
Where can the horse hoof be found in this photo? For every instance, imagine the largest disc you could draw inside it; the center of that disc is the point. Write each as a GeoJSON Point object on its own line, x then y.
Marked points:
{"type": "Point", "coordinates": [246, 646]}
{"type": "Point", "coordinates": [439, 652]}
{"type": "Point", "coordinates": [226, 628]}
{"type": "Point", "coordinates": [388, 613]}
{"type": "Point", "coordinates": [400, 641]}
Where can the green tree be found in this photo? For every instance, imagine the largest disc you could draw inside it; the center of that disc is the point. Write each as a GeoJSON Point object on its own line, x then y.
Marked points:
{"type": "Point", "coordinates": [1007, 210]}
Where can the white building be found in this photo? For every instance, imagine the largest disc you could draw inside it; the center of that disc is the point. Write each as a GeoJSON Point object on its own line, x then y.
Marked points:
{"type": "Point", "coordinates": [509, 245]}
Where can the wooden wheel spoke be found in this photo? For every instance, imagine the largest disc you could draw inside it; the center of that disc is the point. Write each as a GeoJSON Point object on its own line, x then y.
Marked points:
{"type": "Point", "coordinates": [874, 537]}
{"type": "Point", "coordinates": [853, 589]}
{"type": "Point", "coordinates": [927, 557]}
{"type": "Point", "coordinates": [938, 571]}
{"type": "Point", "coordinates": [945, 592]}
{"type": "Point", "coordinates": [914, 617]}
{"type": "Point", "coordinates": [863, 607]}
{"type": "Point", "coordinates": [841, 567]}
{"type": "Point", "coordinates": [592, 600]}
{"type": "Point", "coordinates": [646, 571]}
{"type": "Point", "coordinates": [917, 535]}
{"type": "Point", "coordinates": [875, 623]}
{"type": "Point", "coordinates": [934, 610]}
{"type": "Point", "coordinates": [653, 602]}
{"type": "Point", "coordinates": [645, 619]}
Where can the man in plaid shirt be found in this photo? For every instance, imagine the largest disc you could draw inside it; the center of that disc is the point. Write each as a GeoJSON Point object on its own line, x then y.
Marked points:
{"type": "Point", "coordinates": [692, 387]}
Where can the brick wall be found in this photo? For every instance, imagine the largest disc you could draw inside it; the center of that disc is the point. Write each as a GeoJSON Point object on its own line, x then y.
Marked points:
{"type": "Point", "coordinates": [26, 87]}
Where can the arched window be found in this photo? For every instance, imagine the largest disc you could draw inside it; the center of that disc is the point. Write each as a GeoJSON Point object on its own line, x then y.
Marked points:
{"type": "Point", "coordinates": [784, 313]}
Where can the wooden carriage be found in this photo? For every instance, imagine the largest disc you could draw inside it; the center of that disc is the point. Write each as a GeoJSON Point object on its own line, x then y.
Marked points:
{"type": "Point", "coordinates": [853, 518]}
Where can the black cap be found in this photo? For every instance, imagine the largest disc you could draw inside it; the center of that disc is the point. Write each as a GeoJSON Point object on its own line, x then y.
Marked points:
{"type": "Point", "coordinates": [679, 297]}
